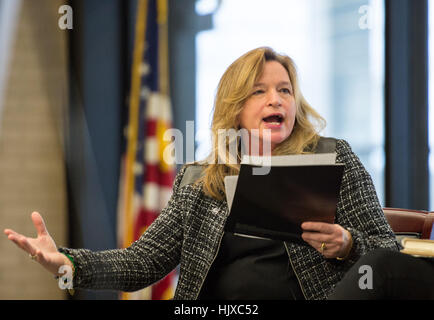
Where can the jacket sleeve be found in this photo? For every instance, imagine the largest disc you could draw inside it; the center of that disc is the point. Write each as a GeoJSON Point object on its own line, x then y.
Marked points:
{"type": "Point", "coordinates": [359, 210]}
{"type": "Point", "coordinates": [146, 261]}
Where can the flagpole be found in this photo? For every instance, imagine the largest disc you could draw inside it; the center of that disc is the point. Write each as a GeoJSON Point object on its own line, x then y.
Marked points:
{"type": "Point", "coordinates": [163, 35]}
{"type": "Point", "coordinates": [132, 131]}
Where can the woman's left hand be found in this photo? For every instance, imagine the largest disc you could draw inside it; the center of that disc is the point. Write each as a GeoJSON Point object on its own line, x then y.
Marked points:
{"type": "Point", "coordinates": [331, 240]}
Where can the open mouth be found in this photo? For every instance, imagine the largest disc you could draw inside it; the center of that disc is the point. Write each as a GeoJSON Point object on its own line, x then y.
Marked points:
{"type": "Point", "coordinates": [274, 119]}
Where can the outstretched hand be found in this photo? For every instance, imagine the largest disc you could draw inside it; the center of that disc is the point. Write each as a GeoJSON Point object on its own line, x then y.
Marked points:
{"type": "Point", "coordinates": [42, 248]}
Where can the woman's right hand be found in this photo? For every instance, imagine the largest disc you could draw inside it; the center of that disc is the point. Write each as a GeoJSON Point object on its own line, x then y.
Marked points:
{"type": "Point", "coordinates": [42, 248]}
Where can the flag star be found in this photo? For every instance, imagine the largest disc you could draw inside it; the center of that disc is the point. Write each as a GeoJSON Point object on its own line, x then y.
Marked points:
{"type": "Point", "coordinates": [144, 93]}
{"type": "Point", "coordinates": [145, 69]}
{"type": "Point", "coordinates": [138, 168]}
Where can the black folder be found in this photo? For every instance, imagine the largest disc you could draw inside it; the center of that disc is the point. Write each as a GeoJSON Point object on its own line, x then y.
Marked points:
{"type": "Point", "coordinates": [273, 206]}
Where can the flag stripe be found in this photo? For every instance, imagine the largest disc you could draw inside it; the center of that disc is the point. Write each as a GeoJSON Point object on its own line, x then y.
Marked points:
{"type": "Point", "coordinates": [154, 174]}
{"type": "Point", "coordinates": [148, 178]}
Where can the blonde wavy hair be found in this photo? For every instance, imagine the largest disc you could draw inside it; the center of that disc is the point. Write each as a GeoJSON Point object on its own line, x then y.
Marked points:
{"type": "Point", "coordinates": [234, 89]}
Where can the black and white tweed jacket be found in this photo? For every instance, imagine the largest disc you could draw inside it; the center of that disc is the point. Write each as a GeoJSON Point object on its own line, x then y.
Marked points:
{"type": "Point", "coordinates": [189, 230]}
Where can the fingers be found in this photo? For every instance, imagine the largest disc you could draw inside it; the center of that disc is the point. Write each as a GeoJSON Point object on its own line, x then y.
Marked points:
{"type": "Point", "coordinates": [39, 224]}
{"type": "Point", "coordinates": [21, 241]}
{"type": "Point", "coordinates": [327, 239]}
{"type": "Point", "coordinates": [317, 237]}
{"type": "Point", "coordinates": [318, 232]}
{"type": "Point", "coordinates": [321, 227]}
{"type": "Point", "coordinates": [328, 250]}
{"type": "Point", "coordinates": [8, 231]}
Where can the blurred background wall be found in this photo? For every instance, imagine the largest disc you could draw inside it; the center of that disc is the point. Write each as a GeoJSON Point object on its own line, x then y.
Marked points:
{"type": "Point", "coordinates": [32, 163]}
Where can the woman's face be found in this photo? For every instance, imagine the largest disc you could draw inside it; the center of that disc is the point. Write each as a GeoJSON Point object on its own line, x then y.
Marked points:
{"type": "Point", "coordinates": [271, 106]}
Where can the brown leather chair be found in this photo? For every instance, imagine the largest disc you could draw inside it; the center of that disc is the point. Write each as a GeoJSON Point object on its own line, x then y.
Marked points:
{"type": "Point", "coordinates": [411, 223]}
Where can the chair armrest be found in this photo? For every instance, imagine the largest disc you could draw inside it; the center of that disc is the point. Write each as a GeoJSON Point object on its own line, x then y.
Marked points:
{"type": "Point", "coordinates": [410, 221]}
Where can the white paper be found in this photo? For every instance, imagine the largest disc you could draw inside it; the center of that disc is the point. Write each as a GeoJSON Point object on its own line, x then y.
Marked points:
{"type": "Point", "coordinates": [292, 160]}
{"type": "Point", "coordinates": [230, 186]}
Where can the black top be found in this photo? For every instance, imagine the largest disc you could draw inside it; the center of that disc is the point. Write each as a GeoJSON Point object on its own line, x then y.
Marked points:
{"type": "Point", "coordinates": [247, 268]}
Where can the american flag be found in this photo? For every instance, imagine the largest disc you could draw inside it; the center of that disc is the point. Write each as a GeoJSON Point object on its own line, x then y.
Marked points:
{"type": "Point", "coordinates": [146, 179]}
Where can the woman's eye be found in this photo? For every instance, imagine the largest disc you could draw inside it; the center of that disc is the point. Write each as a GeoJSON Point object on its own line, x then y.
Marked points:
{"type": "Point", "coordinates": [256, 92]}
{"type": "Point", "coordinates": [285, 90]}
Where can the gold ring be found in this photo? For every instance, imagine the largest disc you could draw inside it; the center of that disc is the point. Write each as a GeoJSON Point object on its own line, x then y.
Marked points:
{"type": "Point", "coordinates": [323, 247]}
{"type": "Point", "coordinates": [33, 257]}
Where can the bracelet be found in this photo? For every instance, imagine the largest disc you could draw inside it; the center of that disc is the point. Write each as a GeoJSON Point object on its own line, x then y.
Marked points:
{"type": "Point", "coordinates": [349, 251]}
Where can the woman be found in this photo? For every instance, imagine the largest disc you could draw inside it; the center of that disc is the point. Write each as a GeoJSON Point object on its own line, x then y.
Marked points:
{"type": "Point", "coordinates": [259, 93]}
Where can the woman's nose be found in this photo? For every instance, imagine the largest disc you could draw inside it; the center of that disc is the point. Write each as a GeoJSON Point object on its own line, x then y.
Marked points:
{"type": "Point", "coordinates": [274, 99]}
